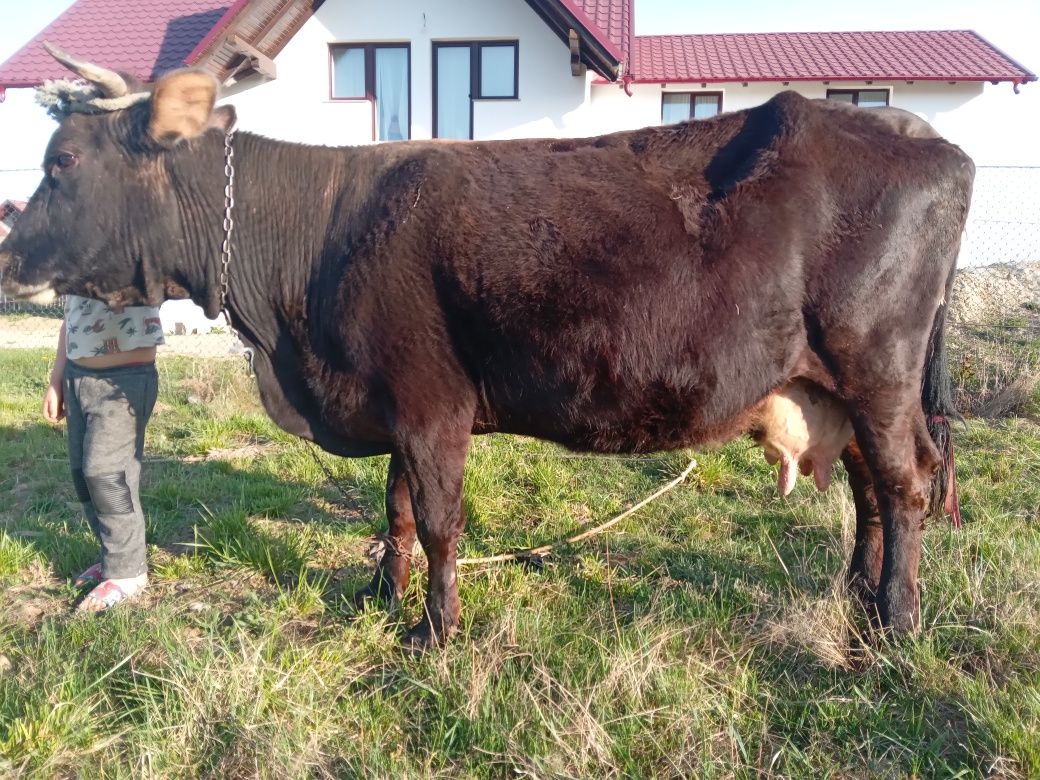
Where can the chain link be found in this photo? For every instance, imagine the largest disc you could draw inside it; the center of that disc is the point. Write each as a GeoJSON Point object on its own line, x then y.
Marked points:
{"type": "Point", "coordinates": [229, 222]}
{"type": "Point", "coordinates": [225, 248]}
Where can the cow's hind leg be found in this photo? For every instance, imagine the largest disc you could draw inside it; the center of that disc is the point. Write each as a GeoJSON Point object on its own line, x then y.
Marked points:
{"type": "Point", "coordinates": [891, 431]}
{"type": "Point", "coordinates": [392, 571]}
{"type": "Point", "coordinates": [864, 576]}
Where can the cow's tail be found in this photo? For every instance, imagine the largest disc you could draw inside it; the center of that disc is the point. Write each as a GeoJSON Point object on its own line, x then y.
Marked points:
{"type": "Point", "coordinates": [939, 410]}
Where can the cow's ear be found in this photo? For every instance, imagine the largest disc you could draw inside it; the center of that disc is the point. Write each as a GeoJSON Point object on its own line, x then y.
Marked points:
{"type": "Point", "coordinates": [182, 106]}
{"type": "Point", "coordinates": [223, 118]}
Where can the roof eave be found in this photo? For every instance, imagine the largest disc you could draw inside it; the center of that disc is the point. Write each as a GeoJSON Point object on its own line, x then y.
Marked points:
{"type": "Point", "coordinates": [222, 24]}
{"type": "Point", "coordinates": [1016, 79]}
{"type": "Point", "coordinates": [232, 52]}
{"type": "Point", "coordinates": [597, 52]}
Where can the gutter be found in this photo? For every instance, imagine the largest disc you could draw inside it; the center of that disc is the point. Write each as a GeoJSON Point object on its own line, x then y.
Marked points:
{"type": "Point", "coordinates": [1016, 80]}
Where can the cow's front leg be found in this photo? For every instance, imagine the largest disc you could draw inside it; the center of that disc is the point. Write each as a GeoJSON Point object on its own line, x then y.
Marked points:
{"type": "Point", "coordinates": [434, 465]}
{"type": "Point", "coordinates": [391, 577]}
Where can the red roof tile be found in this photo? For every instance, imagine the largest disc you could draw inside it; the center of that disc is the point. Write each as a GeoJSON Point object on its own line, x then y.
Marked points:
{"type": "Point", "coordinates": [946, 55]}
{"type": "Point", "coordinates": [144, 38]}
{"type": "Point", "coordinates": [615, 18]}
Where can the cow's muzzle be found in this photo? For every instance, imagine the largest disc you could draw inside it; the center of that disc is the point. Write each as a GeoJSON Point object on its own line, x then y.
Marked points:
{"type": "Point", "coordinates": [42, 293]}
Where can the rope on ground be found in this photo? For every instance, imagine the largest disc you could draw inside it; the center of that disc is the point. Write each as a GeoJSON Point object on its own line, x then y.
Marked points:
{"type": "Point", "coordinates": [536, 553]}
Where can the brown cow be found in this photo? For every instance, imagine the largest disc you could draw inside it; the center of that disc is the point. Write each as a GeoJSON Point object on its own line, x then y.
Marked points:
{"type": "Point", "coordinates": [639, 291]}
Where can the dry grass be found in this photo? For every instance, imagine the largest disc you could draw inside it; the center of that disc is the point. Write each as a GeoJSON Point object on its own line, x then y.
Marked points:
{"type": "Point", "coordinates": [706, 636]}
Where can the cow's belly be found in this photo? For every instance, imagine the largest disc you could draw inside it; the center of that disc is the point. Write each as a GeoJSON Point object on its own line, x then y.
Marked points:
{"type": "Point", "coordinates": [664, 412]}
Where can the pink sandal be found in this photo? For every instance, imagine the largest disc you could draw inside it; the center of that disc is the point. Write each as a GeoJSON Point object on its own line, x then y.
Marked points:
{"type": "Point", "coordinates": [91, 576]}
{"type": "Point", "coordinates": [109, 593]}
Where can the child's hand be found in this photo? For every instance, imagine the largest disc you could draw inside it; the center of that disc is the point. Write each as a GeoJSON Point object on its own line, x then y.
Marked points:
{"type": "Point", "coordinates": [54, 403]}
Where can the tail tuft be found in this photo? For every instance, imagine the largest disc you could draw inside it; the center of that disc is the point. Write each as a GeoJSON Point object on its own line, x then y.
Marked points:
{"type": "Point", "coordinates": [944, 488]}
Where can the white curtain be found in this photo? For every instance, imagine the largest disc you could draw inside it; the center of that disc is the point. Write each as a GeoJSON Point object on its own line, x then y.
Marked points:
{"type": "Point", "coordinates": [453, 98]}
{"type": "Point", "coordinates": [675, 107]}
{"type": "Point", "coordinates": [348, 73]}
{"type": "Point", "coordinates": [873, 98]}
{"type": "Point", "coordinates": [392, 120]}
{"type": "Point", "coordinates": [705, 106]}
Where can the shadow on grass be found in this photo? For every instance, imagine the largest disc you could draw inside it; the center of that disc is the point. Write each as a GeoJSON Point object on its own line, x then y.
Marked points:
{"type": "Point", "coordinates": [217, 510]}
{"type": "Point", "coordinates": [182, 498]}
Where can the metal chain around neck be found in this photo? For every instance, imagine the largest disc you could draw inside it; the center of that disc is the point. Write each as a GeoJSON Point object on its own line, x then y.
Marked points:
{"type": "Point", "coordinates": [225, 248]}
{"type": "Point", "coordinates": [229, 222]}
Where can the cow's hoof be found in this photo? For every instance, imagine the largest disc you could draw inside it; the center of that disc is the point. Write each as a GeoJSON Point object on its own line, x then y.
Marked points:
{"type": "Point", "coordinates": [861, 591]}
{"type": "Point", "coordinates": [366, 597]}
{"type": "Point", "coordinates": [862, 644]}
{"type": "Point", "coordinates": [423, 636]}
{"type": "Point", "coordinates": [379, 590]}
{"type": "Point", "coordinates": [898, 610]}
{"type": "Point", "coordinates": [865, 596]}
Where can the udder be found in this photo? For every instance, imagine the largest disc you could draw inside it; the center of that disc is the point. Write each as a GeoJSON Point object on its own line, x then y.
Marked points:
{"type": "Point", "coordinates": [802, 425]}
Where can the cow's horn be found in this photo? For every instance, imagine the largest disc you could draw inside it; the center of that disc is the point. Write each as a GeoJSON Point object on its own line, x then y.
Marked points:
{"type": "Point", "coordinates": [109, 82]}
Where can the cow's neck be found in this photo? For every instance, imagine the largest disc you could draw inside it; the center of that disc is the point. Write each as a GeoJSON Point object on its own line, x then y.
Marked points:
{"type": "Point", "coordinates": [283, 201]}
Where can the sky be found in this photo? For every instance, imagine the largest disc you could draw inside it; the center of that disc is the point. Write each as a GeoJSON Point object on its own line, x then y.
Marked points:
{"type": "Point", "coordinates": [1010, 25]}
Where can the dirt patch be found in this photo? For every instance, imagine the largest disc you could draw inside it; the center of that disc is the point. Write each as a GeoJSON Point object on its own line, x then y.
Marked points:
{"type": "Point", "coordinates": [243, 452]}
{"type": "Point", "coordinates": [994, 292]}
{"type": "Point", "coordinates": [29, 603]}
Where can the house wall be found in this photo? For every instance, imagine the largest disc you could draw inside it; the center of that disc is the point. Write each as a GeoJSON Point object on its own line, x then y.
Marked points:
{"type": "Point", "coordinates": [983, 119]}
{"type": "Point", "coordinates": [959, 112]}
{"type": "Point", "coordinates": [550, 103]}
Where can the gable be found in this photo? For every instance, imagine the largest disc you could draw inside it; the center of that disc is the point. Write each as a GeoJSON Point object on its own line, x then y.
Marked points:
{"type": "Point", "coordinates": [235, 38]}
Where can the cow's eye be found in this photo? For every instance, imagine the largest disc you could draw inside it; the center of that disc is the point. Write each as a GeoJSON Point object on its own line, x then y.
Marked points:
{"type": "Point", "coordinates": [65, 160]}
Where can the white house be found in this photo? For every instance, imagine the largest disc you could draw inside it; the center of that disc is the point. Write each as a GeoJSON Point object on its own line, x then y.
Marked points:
{"type": "Point", "coordinates": [358, 71]}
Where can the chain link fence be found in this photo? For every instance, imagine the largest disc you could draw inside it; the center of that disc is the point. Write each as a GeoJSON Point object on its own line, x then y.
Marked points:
{"type": "Point", "coordinates": [186, 329]}
{"type": "Point", "coordinates": [994, 338]}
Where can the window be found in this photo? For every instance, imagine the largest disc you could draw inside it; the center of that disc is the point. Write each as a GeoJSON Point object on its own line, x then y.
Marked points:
{"type": "Point", "coordinates": [680, 106]}
{"type": "Point", "coordinates": [867, 98]}
{"type": "Point", "coordinates": [380, 73]}
{"type": "Point", "coordinates": [465, 72]}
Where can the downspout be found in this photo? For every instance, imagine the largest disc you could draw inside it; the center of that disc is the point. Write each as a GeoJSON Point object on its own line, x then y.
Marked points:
{"type": "Point", "coordinates": [625, 78]}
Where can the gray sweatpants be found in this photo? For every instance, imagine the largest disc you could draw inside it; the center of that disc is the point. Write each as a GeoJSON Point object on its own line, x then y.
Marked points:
{"type": "Point", "coordinates": [107, 411]}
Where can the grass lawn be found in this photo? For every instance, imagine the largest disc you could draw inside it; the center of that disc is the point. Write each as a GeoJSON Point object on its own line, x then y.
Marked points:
{"type": "Point", "coordinates": [705, 636]}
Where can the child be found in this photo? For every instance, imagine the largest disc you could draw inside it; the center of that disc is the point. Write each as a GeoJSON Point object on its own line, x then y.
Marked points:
{"type": "Point", "coordinates": [104, 381]}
